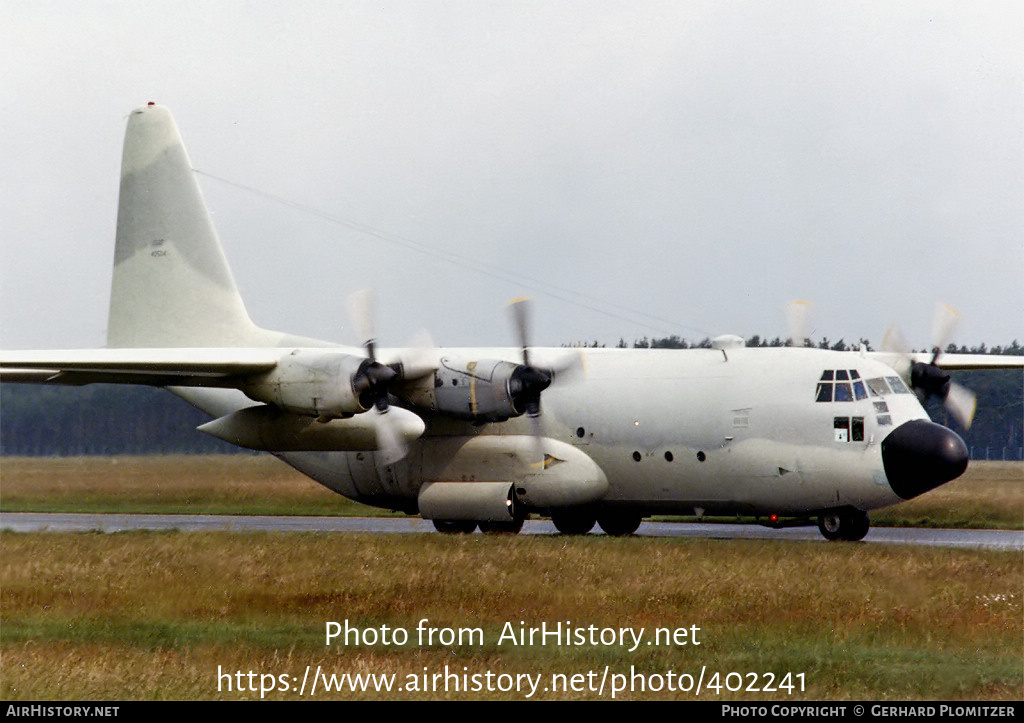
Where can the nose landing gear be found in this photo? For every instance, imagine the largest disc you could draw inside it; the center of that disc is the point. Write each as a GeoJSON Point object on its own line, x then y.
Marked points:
{"type": "Point", "coordinates": [846, 524]}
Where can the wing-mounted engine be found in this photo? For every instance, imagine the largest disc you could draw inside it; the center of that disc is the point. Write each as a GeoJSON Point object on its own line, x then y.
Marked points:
{"type": "Point", "coordinates": [321, 384]}
{"type": "Point", "coordinates": [312, 398]}
{"type": "Point", "coordinates": [928, 378]}
{"type": "Point", "coordinates": [480, 390]}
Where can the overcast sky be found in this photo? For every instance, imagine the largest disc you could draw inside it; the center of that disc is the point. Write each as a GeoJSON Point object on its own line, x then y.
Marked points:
{"type": "Point", "coordinates": [639, 168]}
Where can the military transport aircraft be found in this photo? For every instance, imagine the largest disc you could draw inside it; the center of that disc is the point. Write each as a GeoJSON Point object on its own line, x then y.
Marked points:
{"type": "Point", "coordinates": [787, 435]}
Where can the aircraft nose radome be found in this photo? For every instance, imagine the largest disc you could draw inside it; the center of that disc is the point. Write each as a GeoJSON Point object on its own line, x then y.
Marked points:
{"type": "Point", "coordinates": [920, 455]}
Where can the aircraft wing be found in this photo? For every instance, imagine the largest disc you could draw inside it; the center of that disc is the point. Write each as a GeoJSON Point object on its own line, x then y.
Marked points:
{"type": "Point", "coordinates": [205, 367]}
{"type": "Point", "coordinates": [964, 362]}
{"type": "Point", "coordinates": [952, 362]}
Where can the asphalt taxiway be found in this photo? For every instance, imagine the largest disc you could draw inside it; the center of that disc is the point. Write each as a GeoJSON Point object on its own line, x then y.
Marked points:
{"type": "Point", "coordinates": [83, 522]}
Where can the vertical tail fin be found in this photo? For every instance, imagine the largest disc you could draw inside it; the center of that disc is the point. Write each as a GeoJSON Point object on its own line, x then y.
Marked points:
{"type": "Point", "coordinates": [172, 286]}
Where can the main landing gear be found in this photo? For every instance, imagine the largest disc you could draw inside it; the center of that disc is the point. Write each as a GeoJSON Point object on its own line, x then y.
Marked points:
{"type": "Point", "coordinates": [848, 524]}
{"type": "Point", "coordinates": [567, 520]}
{"type": "Point", "coordinates": [580, 521]}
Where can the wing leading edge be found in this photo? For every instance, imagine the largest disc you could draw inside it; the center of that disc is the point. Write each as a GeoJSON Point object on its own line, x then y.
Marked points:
{"type": "Point", "coordinates": [153, 367]}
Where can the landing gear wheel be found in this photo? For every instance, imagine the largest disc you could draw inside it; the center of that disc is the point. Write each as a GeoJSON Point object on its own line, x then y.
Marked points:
{"type": "Point", "coordinates": [619, 524]}
{"type": "Point", "coordinates": [849, 525]}
{"type": "Point", "coordinates": [573, 520]}
{"type": "Point", "coordinates": [454, 527]}
{"type": "Point", "coordinates": [512, 527]}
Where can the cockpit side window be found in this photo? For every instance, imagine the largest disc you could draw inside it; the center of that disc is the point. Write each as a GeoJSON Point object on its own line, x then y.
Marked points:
{"type": "Point", "coordinates": [878, 387]}
{"type": "Point", "coordinates": [848, 429]}
{"type": "Point", "coordinates": [897, 385]}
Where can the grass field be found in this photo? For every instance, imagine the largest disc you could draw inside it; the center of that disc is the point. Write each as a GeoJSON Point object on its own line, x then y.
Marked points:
{"type": "Point", "coordinates": [191, 615]}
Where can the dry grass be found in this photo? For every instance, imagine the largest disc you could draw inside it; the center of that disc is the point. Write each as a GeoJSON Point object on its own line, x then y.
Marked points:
{"type": "Point", "coordinates": [216, 484]}
{"type": "Point", "coordinates": [147, 615]}
{"type": "Point", "coordinates": [156, 615]}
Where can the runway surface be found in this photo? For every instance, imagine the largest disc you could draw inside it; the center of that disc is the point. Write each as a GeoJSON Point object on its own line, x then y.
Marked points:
{"type": "Point", "coordinates": [57, 522]}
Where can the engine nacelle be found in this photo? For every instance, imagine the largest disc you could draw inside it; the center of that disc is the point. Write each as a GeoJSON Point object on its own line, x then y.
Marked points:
{"type": "Point", "coordinates": [482, 390]}
{"type": "Point", "coordinates": [313, 382]}
{"type": "Point", "coordinates": [272, 430]}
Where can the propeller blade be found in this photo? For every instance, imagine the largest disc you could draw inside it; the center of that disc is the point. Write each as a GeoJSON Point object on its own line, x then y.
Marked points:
{"type": "Point", "coordinates": [361, 314]}
{"type": "Point", "coordinates": [520, 311]}
{"type": "Point", "coordinates": [961, 403]}
{"type": "Point", "coordinates": [390, 446]}
{"type": "Point", "coordinates": [419, 359]}
{"type": "Point", "coordinates": [539, 453]}
{"type": "Point", "coordinates": [798, 315]}
{"type": "Point", "coordinates": [893, 341]}
{"type": "Point", "coordinates": [943, 323]}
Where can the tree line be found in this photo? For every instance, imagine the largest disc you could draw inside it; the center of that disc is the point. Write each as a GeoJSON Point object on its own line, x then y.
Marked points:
{"type": "Point", "coordinates": [102, 419]}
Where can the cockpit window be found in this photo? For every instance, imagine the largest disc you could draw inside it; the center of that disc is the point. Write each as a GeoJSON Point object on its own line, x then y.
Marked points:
{"type": "Point", "coordinates": [878, 387]}
{"type": "Point", "coordinates": [897, 385]}
{"type": "Point", "coordinates": [844, 385]}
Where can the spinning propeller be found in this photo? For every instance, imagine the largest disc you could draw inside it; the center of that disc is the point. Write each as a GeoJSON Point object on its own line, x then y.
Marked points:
{"type": "Point", "coordinates": [928, 379]}
{"type": "Point", "coordinates": [372, 382]}
{"type": "Point", "coordinates": [529, 381]}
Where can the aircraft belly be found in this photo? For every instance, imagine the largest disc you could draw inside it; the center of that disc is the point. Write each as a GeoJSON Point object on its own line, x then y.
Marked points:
{"type": "Point", "coordinates": [330, 469]}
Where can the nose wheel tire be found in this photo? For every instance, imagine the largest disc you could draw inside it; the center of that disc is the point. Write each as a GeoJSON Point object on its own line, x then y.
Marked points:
{"type": "Point", "coordinates": [848, 525]}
